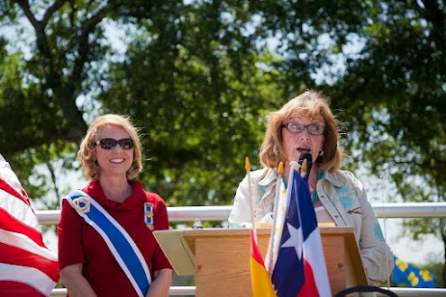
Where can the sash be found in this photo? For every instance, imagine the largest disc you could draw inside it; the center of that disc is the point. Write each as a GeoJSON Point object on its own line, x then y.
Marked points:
{"type": "Point", "coordinates": [119, 242]}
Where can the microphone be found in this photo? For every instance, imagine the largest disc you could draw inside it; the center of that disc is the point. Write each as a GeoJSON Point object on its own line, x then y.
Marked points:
{"type": "Point", "coordinates": [309, 162]}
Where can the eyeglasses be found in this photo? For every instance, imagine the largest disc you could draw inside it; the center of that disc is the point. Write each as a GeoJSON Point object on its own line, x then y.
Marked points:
{"type": "Point", "coordinates": [109, 143]}
{"type": "Point", "coordinates": [312, 128]}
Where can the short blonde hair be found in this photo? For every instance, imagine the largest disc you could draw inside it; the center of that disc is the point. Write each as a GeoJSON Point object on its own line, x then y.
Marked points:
{"type": "Point", "coordinates": [86, 152]}
{"type": "Point", "coordinates": [311, 104]}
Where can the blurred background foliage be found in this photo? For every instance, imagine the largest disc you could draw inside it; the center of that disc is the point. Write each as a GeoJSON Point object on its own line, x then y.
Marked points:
{"type": "Point", "coordinates": [199, 77]}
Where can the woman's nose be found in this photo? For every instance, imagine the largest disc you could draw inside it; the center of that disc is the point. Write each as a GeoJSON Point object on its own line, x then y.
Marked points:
{"type": "Point", "coordinates": [304, 135]}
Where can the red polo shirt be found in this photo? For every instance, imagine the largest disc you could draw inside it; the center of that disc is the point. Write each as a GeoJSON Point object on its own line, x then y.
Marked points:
{"type": "Point", "coordinates": [80, 243]}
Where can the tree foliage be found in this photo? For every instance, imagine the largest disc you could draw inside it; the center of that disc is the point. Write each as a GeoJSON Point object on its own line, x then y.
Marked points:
{"type": "Point", "coordinates": [198, 78]}
{"type": "Point", "coordinates": [201, 100]}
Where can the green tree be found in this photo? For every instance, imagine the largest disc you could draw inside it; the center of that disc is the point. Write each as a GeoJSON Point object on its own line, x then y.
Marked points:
{"type": "Point", "coordinates": [201, 101]}
{"type": "Point", "coordinates": [199, 76]}
{"type": "Point", "coordinates": [201, 109]}
{"type": "Point", "coordinates": [398, 84]}
{"type": "Point", "coordinates": [383, 65]}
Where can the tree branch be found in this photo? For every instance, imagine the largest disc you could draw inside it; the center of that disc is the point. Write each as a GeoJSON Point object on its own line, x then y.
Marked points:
{"type": "Point", "coordinates": [74, 80]}
{"type": "Point", "coordinates": [29, 15]}
{"type": "Point", "coordinates": [84, 47]}
{"type": "Point", "coordinates": [41, 38]}
{"type": "Point", "coordinates": [50, 11]}
{"type": "Point", "coordinates": [52, 172]}
{"type": "Point", "coordinates": [63, 92]}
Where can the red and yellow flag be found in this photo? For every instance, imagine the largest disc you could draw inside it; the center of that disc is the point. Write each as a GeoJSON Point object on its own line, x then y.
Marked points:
{"type": "Point", "coordinates": [261, 284]}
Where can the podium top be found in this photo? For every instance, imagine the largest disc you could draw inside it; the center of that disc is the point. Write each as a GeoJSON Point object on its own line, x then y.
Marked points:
{"type": "Point", "coordinates": [179, 245]}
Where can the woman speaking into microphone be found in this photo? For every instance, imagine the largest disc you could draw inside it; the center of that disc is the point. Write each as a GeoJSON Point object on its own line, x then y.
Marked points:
{"type": "Point", "coordinates": [306, 125]}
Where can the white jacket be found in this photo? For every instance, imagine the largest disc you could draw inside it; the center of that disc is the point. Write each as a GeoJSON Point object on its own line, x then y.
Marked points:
{"type": "Point", "coordinates": [345, 200]}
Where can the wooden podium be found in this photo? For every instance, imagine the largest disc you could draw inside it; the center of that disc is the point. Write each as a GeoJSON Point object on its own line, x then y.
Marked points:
{"type": "Point", "coordinates": [219, 258]}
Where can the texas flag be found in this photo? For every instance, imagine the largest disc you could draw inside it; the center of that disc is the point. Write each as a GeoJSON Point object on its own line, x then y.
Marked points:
{"type": "Point", "coordinates": [27, 267]}
{"type": "Point", "coordinates": [300, 266]}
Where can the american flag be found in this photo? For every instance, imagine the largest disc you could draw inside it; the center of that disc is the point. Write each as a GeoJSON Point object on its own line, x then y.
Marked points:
{"type": "Point", "coordinates": [27, 267]}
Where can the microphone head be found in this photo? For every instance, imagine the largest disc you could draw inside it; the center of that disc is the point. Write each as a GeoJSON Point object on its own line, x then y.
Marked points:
{"type": "Point", "coordinates": [309, 161]}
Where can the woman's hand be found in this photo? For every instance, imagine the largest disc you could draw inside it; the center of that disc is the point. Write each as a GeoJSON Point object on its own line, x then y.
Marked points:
{"type": "Point", "coordinates": [72, 278]}
{"type": "Point", "coordinates": [161, 283]}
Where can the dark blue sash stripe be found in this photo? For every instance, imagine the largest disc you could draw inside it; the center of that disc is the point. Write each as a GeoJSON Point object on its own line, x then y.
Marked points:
{"type": "Point", "coordinates": [120, 245]}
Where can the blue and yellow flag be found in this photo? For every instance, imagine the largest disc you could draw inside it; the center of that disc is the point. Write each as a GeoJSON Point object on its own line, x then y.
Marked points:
{"type": "Point", "coordinates": [408, 275]}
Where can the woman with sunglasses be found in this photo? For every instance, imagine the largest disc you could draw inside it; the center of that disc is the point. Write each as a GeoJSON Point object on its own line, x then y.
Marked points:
{"type": "Point", "coordinates": [106, 245]}
{"type": "Point", "coordinates": [306, 125]}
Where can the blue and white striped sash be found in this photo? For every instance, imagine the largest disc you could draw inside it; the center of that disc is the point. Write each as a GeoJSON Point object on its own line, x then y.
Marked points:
{"type": "Point", "coordinates": [119, 242]}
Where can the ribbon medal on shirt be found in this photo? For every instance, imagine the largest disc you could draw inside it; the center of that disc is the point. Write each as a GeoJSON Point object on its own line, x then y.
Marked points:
{"type": "Point", "coordinates": [148, 215]}
{"type": "Point", "coordinates": [82, 205]}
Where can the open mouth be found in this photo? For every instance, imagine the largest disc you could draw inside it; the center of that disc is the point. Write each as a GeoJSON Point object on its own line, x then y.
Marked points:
{"type": "Point", "coordinates": [303, 150]}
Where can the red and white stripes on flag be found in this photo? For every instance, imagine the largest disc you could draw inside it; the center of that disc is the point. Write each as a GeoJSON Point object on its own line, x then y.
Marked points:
{"type": "Point", "coordinates": [27, 267]}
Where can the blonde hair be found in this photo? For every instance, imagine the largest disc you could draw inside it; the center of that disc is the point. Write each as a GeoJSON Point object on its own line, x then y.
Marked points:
{"type": "Point", "coordinates": [311, 104]}
{"type": "Point", "coordinates": [86, 152]}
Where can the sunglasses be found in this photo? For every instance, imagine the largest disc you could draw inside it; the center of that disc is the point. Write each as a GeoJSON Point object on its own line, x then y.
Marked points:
{"type": "Point", "coordinates": [312, 128]}
{"type": "Point", "coordinates": [109, 143]}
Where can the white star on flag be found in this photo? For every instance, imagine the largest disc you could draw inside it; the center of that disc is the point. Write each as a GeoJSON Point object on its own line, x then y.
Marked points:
{"type": "Point", "coordinates": [295, 240]}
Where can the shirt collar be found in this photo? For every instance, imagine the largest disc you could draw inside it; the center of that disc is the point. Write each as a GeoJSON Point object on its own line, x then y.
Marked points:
{"type": "Point", "coordinates": [95, 190]}
{"type": "Point", "coordinates": [268, 177]}
{"type": "Point", "coordinates": [332, 178]}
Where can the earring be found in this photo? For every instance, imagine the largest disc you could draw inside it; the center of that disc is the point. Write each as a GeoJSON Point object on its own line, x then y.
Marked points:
{"type": "Point", "coordinates": [321, 153]}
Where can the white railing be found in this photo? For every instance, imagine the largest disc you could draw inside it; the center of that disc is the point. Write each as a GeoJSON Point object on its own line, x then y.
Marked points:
{"type": "Point", "coordinates": [221, 213]}
{"type": "Point", "coordinates": [418, 292]}
{"type": "Point", "coordinates": [173, 291]}
{"type": "Point", "coordinates": [190, 291]}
